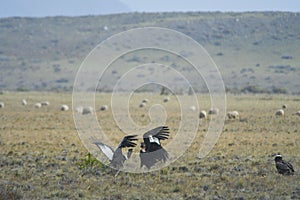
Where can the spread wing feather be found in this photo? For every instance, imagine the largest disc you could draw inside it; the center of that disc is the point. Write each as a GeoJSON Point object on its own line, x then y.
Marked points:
{"type": "Point", "coordinates": [161, 132]}
{"type": "Point", "coordinates": [107, 150]}
{"type": "Point", "coordinates": [128, 141]}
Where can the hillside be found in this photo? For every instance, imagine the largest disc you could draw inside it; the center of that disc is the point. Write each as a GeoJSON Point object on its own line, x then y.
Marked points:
{"type": "Point", "coordinates": [255, 51]}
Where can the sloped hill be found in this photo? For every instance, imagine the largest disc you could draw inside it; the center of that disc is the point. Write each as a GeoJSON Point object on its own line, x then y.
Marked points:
{"type": "Point", "coordinates": [255, 51]}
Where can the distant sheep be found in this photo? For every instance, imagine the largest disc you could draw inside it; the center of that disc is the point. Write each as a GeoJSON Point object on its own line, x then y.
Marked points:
{"type": "Point", "coordinates": [1, 105]}
{"type": "Point", "coordinates": [142, 105]}
{"type": "Point", "coordinates": [279, 112]}
{"type": "Point", "coordinates": [284, 106]}
{"type": "Point", "coordinates": [192, 108]}
{"type": "Point", "coordinates": [79, 109]}
{"type": "Point", "coordinates": [233, 115]}
{"type": "Point", "coordinates": [213, 111]}
{"type": "Point", "coordinates": [45, 103]}
{"type": "Point", "coordinates": [166, 99]}
{"type": "Point", "coordinates": [38, 105]}
{"type": "Point", "coordinates": [104, 107]}
{"type": "Point", "coordinates": [202, 114]}
{"type": "Point", "coordinates": [298, 113]}
{"type": "Point", "coordinates": [145, 100]}
{"type": "Point", "coordinates": [64, 108]}
{"type": "Point", "coordinates": [87, 110]}
{"type": "Point", "coordinates": [24, 102]}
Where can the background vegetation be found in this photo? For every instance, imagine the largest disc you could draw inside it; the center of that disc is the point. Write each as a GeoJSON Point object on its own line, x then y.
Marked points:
{"type": "Point", "coordinates": [256, 52]}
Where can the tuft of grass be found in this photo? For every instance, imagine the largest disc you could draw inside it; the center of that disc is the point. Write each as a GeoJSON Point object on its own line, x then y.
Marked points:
{"type": "Point", "coordinates": [10, 190]}
{"type": "Point", "coordinates": [89, 164]}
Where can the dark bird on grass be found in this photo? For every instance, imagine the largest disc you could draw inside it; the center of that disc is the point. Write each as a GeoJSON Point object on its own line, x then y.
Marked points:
{"type": "Point", "coordinates": [283, 167]}
{"type": "Point", "coordinates": [151, 150]}
{"type": "Point", "coordinates": [116, 157]}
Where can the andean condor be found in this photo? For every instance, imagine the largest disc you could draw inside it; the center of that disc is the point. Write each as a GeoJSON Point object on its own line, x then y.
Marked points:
{"type": "Point", "coordinates": [151, 150]}
{"type": "Point", "coordinates": [283, 167]}
{"type": "Point", "coordinates": [116, 157]}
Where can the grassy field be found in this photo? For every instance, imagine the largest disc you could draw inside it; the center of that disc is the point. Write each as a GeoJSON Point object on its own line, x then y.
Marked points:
{"type": "Point", "coordinates": [42, 157]}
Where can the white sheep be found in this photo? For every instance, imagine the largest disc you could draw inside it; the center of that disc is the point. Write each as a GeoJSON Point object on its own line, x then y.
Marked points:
{"type": "Point", "coordinates": [279, 112]}
{"type": "Point", "coordinates": [64, 108]}
{"type": "Point", "coordinates": [233, 115]}
{"type": "Point", "coordinates": [45, 103]}
{"type": "Point", "coordinates": [284, 106]}
{"type": "Point", "coordinates": [145, 100]}
{"type": "Point", "coordinates": [87, 110]}
{"type": "Point", "coordinates": [142, 105]}
{"type": "Point", "coordinates": [213, 111]}
{"type": "Point", "coordinates": [202, 114]}
{"type": "Point", "coordinates": [38, 105]}
{"type": "Point", "coordinates": [24, 102]}
{"type": "Point", "coordinates": [1, 105]}
{"type": "Point", "coordinates": [166, 99]}
{"type": "Point", "coordinates": [298, 113]}
{"type": "Point", "coordinates": [193, 108]}
{"type": "Point", "coordinates": [104, 107]}
{"type": "Point", "coordinates": [79, 109]}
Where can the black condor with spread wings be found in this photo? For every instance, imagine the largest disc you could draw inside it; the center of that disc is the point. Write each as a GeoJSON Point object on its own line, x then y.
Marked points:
{"type": "Point", "coordinates": [116, 157]}
{"type": "Point", "coordinates": [151, 150]}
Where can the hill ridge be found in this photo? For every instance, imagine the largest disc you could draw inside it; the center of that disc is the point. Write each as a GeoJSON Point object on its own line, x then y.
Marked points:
{"type": "Point", "coordinates": [252, 49]}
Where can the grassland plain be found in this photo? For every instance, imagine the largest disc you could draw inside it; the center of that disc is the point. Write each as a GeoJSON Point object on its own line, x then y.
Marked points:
{"type": "Point", "coordinates": [42, 157]}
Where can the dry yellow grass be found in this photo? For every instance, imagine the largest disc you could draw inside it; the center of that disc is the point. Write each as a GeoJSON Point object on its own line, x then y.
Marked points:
{"type": "Point", "coordinates": [41, 153]}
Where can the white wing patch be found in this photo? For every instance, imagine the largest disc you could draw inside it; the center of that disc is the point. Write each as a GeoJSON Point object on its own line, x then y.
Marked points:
{"type": "Point", "coordinates": [106, 150]}
{"type": "Point", "coordinates": [154, 139]}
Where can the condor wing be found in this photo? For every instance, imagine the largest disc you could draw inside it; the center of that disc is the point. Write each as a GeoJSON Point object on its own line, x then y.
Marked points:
{"type": "Point", "coordinates": [128, 141]}
{"type": "Point", "coordinates": [152, 138]}
{"type": "Point", "coordinates": [107, 150]}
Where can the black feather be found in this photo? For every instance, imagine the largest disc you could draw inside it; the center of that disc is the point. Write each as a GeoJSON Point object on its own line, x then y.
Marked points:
{"type": "Point", "coordinates": [154, 152]}
{"type": "Point", "coordinates": [283, 167]}
{"type": "Point", "coordinates": [118, 158]}
{"type": "Point", "coordinates": [161, 132]}
{"type": "Point", "coordinates": [128, 141]}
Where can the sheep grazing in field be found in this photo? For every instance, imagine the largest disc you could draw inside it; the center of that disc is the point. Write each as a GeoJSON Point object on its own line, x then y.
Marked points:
{"type": "Point", "coordinates": [79, 109]}
{"type": "Point", "coordinates": [166, 99]}
{"type": "Point", "coordinates": [202, 114]}
{"type": "Point", "coordinates": [145, 100]}
{"type": "Point", "coordinates": [24, 102]}
{"type": "Point", "coordinates": [104, 107]}
{"type": "Point", "coordinates": [193, 108]}
{"type": "Point", "coordinates": [87, 110]}
{"type": "Point", "coordinates": [64, 108]}
{"type": "Point", "coordinates": [279, 112]}
{"type": "Point", "coordinates": [142, 105]}
{"type": "Point", "coordinates": [213, 111]}
{"type": "Point", "coordinates": [45, 103]}
{"type": "Point", "coordinates": [1, 105]}
{"type": "Point", "coordinates": [298, 113]}
{"type": "Point", "coordinates": [38, 105]}
{"type": "Point", "coordinates": [233, 115]}
{"type": "Point", "coordinates": [284, 106]}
